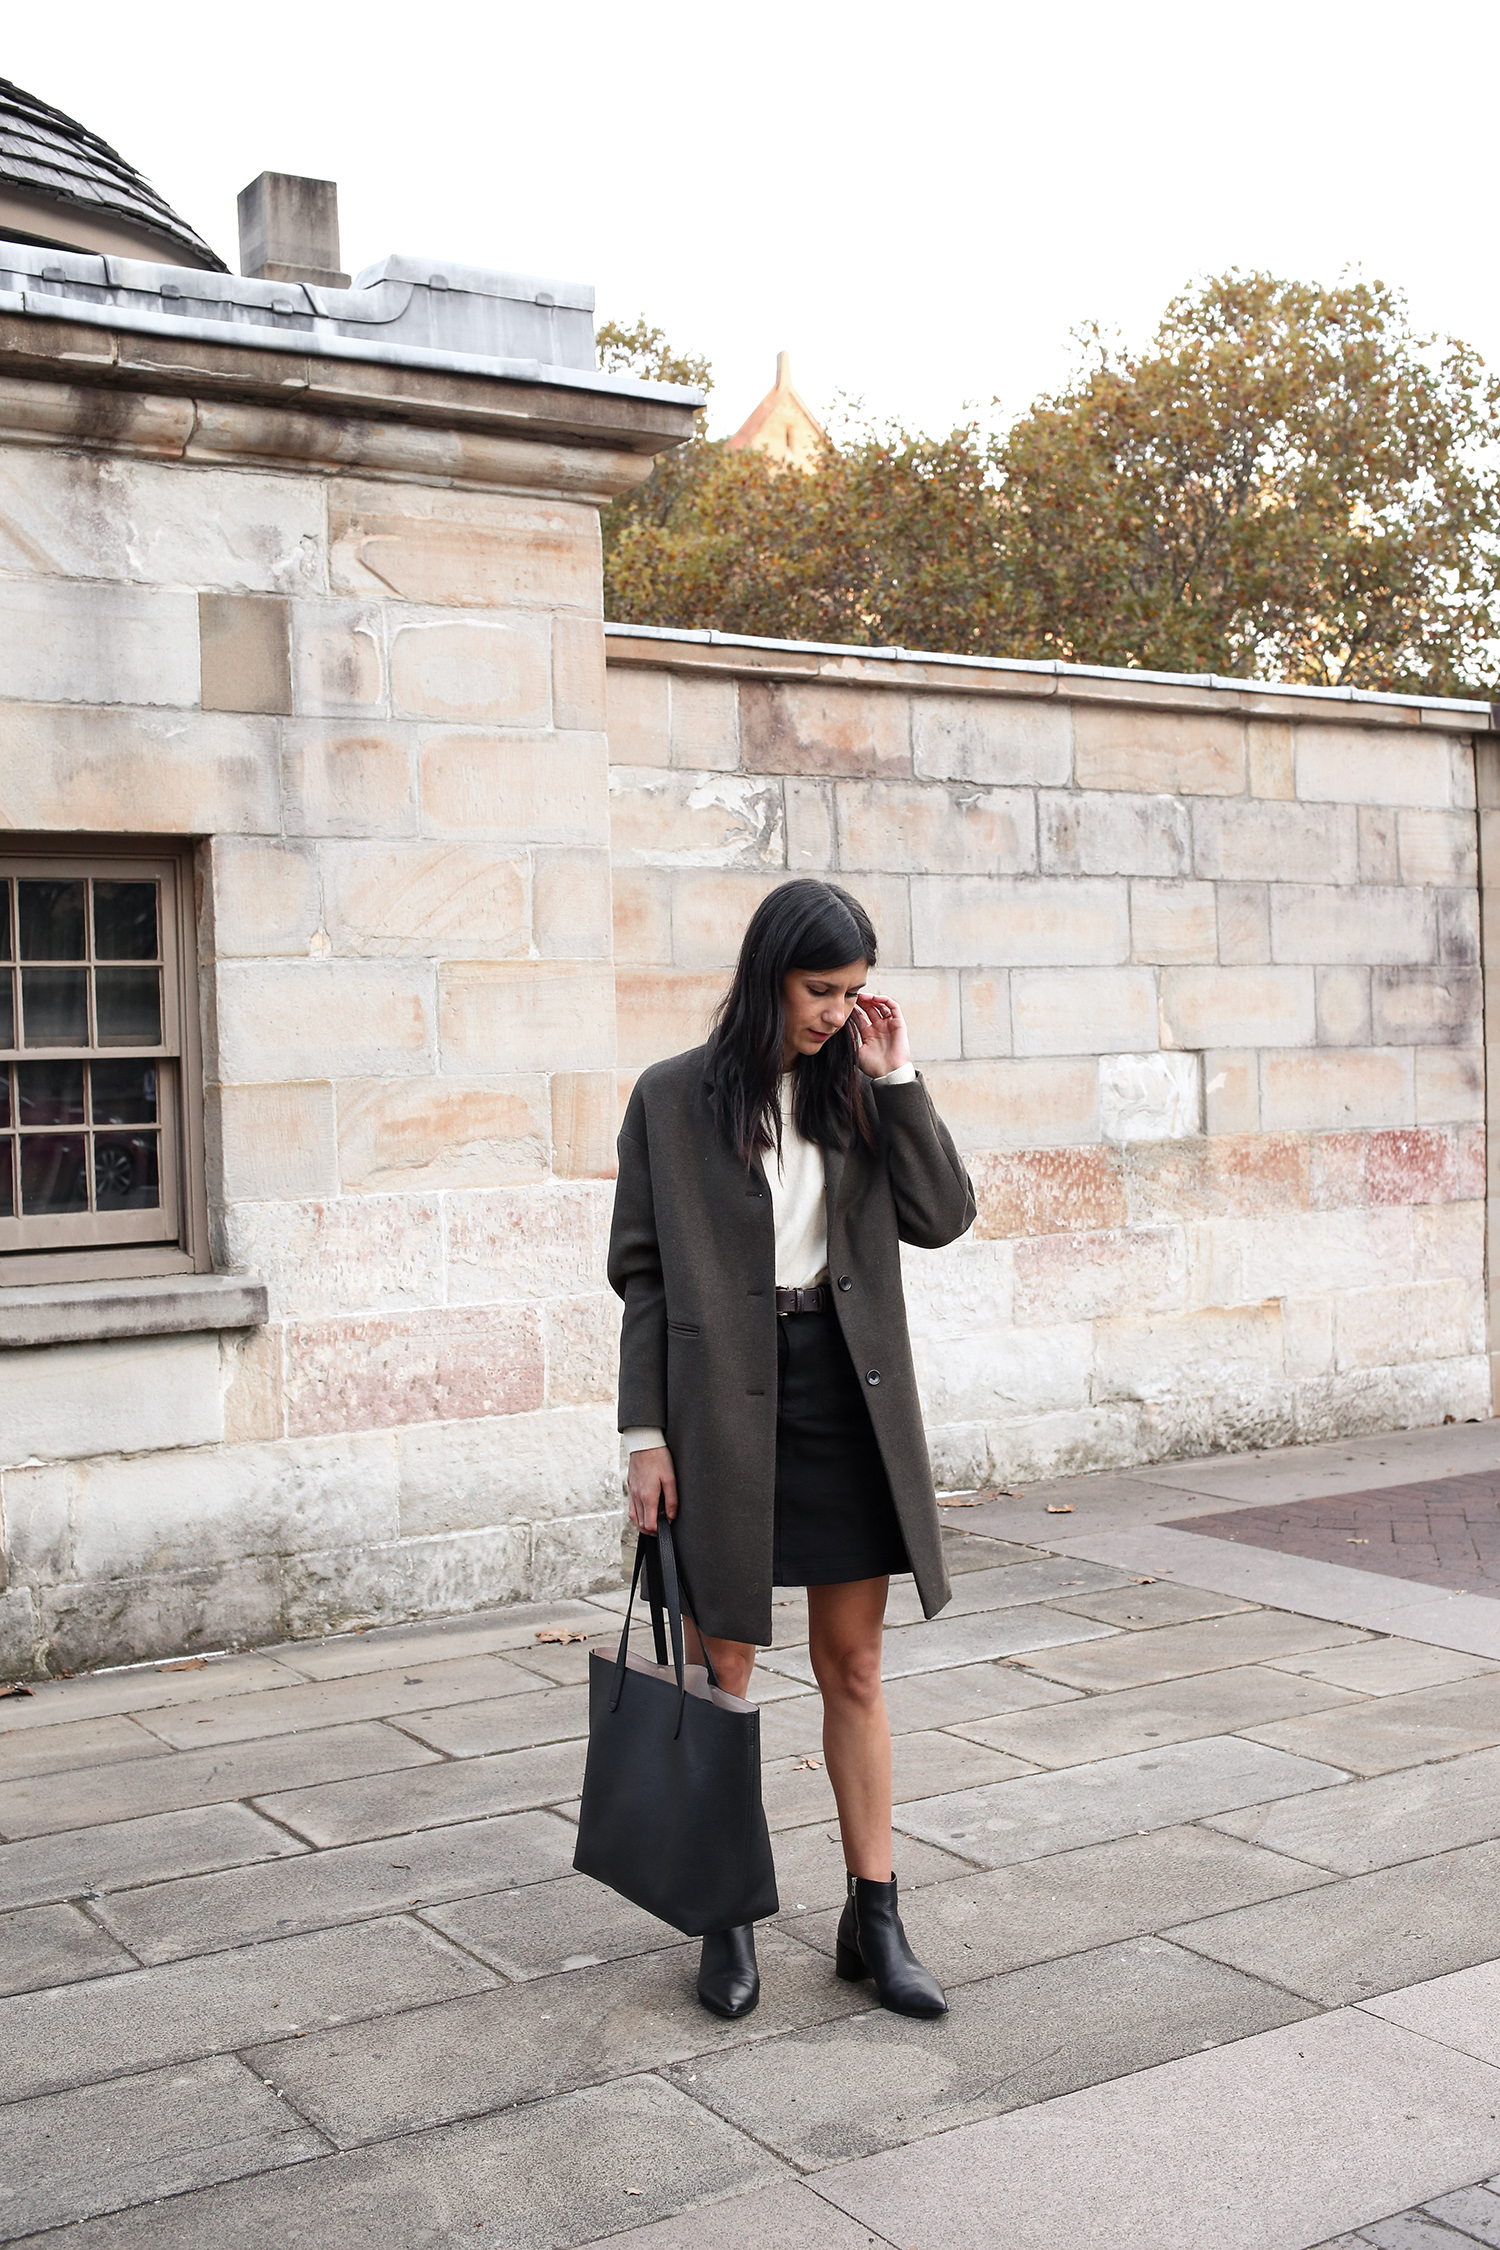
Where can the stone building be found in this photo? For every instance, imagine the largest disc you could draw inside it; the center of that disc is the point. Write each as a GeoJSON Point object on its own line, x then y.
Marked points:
{"type": "Point", "coordinates": [783, 426]}
{"type": "Point", "coordinates": [352, 867]}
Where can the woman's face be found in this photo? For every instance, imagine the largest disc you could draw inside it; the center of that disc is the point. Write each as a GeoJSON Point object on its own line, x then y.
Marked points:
{"type": "Point", "coordinates": [815, 1004]}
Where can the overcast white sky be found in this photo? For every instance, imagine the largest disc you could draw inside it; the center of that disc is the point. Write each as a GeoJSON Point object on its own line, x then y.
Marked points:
{"type": "Point", "coordinates": [920, 203]}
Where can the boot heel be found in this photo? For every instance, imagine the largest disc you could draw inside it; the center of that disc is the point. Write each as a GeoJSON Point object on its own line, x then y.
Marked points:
{"type": "Point", "coordinates": [849, 1963]}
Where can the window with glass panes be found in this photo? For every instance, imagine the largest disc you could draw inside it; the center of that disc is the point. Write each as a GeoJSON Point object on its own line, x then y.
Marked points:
{"type": "Point", "coordinates": [90, 1053]}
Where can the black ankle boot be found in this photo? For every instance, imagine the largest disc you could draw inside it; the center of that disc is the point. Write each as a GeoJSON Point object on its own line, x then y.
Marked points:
{"type": "Point", "coordinates": [872, 1943]}
{"type": "Point", "coordinates": [728, 1980]}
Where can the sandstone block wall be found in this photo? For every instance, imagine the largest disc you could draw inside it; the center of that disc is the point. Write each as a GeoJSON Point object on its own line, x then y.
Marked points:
{"type": "Point", "coordinates": [1194, 976]}
{"type": "Point", "coordinates": [380, 706]}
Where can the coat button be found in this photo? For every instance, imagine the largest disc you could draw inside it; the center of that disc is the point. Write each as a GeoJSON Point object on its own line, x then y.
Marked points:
{"type": "Point", "coordinates": [845, 1282]}
{"type": "Point", "coordinates": [873, 1377]}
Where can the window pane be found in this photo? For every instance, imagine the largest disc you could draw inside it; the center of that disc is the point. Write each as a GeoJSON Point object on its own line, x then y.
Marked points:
{"type": "Point", "coordinates": [52, 921]}
{"type": "Point", "coordinates": [7, 1010]}
{"type": "Point", "coordinates": [128, 1005]}
{"type": "Point", "coordinates": [50, 1093]}
{"type": "Point", "coordinates": [4, 921]}
{"type": "Point", "coordinates": [53, 1178]}
{"type": "Point", "coordinates": [125, 921]}
{"type": "Point", "coordinates": [54, 1006]}
{"type": "Point", "coordinates": [124, 1093]}
{"type": "Point", "coordinates": [5, 1097]}
{"type": "Point", "coordinates": [7, 1180]}
{"type": "Point", "coordinates": [126, 1174]}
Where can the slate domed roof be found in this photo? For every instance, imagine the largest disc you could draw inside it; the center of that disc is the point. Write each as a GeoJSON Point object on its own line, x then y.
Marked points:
{"type": "Point", "coordinates": [61, 186]}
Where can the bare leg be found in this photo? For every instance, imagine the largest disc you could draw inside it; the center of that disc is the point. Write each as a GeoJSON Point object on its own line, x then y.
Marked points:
{"type": "Point", "coordinates": [733, 1661]}
{"type": "Point", "coordinates": [845, 1626]}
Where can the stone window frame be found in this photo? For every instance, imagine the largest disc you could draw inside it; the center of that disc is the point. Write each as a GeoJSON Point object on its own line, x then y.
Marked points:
{"type": "Point", "coordinates": [105, 1253]}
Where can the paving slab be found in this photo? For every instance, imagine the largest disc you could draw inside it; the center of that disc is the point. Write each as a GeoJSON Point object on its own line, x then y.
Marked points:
{"type": "Point", "coordinates": [76, 1742]}
{"type": "Point", "coordinates": [1411, 2230]}
{"type": "Point", "coordinates": [1474, 2211]}
{"type": "Point", "coordinates": [84, 1797]}
{"type": "Point", "coordinates": [964, 1551]}
{"type": "Point", "coordinates": [140, 1687]}
{"type": "Point", "coordinates": [1388, 1667]}
{"type": "Point", "coordinates": [1376, 1823]}
{"type": "Point", "coordinates": [506, 1722]}
{"type": "Point", "coordinates": [434, 1796]}
{"type": "Point", "coordinates": [1044, 1578]}
{"type": "Point", "coordinates": [205, 1913]}
{"type": "Point", "coordinates": [796, 1793]}
{"type": "Point", "coordinates": [1368, 1934]}
{"type": "Point", "coordinates": [1176, 1652]}
{"type": "Point", "coordinates": [1460, 2010]}
{"type": "Point", "coordinates": [810, 1868]}
{"type": "Point", "coordinates": [948, 1642]}
{"type": "Point", "coordinates": [567, 1664]}
{"type": "Point", "coordinates": [49, 1945]}
{"type": "Point", "coordinates": [1360, 2117]}
{"type": "Point", "coordinates": [547, 2177]}
{"type": "Point", "coordinates": [443, 1640]}
{"type": "Point", "coordinates": [326, 1703]}
{"type": "Point", "coordinates": [981, 1925]}
{"type": "Point", "coordinates": [289, 1987]}
{"type": "Point", "coordinates": [1307, 1472]}
{"type": "Point", "coordinates": [161, 2133]}
{"type": "Point", "coordinates": [968, 1691]}
{"type": "Point", "coordinates": [547, 1929]}
{"type": "Point", "coordinates": [1107, 1726]}
{"type": "Point", "coordinates": [1041, 1813]}
{"type": "Point", "coordinates": [1138, 1607]}
{"type": "Point", "coordinates": [792, 1728]}
{"type": "Point", "coordinates": [1389, 1731]}
{"type": "Point", "coordinates": [845, 2089]}
{"type": "Point", "coordinates": [785, 2217]}
{"type": "Point", "coordinates": [86, 1862]}
{"type": "Point", "coordinates": [524, 2042]}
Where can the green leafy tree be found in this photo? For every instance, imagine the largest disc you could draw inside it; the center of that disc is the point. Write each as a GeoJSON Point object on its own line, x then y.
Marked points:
{"type": "Point", "coordinates": [1288, 482]}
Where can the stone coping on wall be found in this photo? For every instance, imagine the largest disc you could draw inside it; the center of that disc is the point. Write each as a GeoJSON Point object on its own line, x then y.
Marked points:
{"type": "Point", "coordinates": [87, 1312]}
{"type": "Point", "coordinates": [673, 649]}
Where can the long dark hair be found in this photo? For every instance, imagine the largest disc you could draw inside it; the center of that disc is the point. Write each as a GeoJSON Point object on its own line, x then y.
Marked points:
{"type": "Point", "coordinates": [803, 924]}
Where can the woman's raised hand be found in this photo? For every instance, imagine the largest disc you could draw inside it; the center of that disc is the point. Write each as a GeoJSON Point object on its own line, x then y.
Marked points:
{"type": "Point", "coordinates": [651, 1483]}
{"type": "Point", "coordinates": [883, 1044]}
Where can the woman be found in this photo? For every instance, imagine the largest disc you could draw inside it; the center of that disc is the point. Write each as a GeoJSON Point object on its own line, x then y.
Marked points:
{"type": "Point", "coordinates": [766, 1386]}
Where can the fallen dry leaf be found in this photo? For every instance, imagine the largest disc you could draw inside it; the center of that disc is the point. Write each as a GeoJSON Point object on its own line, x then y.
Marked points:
{"type": "Point", "coordinates": [185, 1664]}
{"type": "Point", "coordinates": [1059, 1507]}
{"type": "Point", "coordinates": [566, 1635]}
{"type": "Point", "coordinates": [17, 1687]}
{"type": "Point", "coordinates": [964, 1503]}
{"type": "Point", "coordinates": [814, 1765]}
{"type": "Point", "coordinates": [1143, 1581]}
{"type": "Point", "coordinates": [1356, 1542]}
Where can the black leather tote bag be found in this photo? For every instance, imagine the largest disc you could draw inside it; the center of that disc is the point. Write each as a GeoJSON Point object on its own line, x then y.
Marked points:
{"type": "Point", "coordinates": [672, 1817]}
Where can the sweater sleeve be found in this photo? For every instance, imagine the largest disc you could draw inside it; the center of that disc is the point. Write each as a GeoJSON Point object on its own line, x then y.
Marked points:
{"type": "Point", "coordinates": [934, 1194]}
{"type": "Point", "coordinates": [635, 1275]}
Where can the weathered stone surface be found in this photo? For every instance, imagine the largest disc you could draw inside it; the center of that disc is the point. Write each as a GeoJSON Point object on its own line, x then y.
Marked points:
{"type": "Point", "coordinates": [434, 899]}
{"type": "Point", "coordinates": [704, 724]}
{"type": "Point", "coordinates": [675, 819]}
{"type": "Point", "coordinates": [1344, 1007]}
{"type": "Point", "coordinates": [1410, 1320]}
{"type": "Point", "coordinates": [1429, 1166]}
{"type": "Point", "coordinates": [1437, 847]}
{"type": "Point", "coordinates": [139, 772]}
{"type": "Point", "coordinates": [1086, 1276]}
{"type": "Point", "coordinates": [379, 1373]}
{"type": "Point", "coordinates": [98, 643]}
{"type": "Point", "coordinates": [709, 913]}
{"type": "Point", "coordinates": [518, 1243]}
{"type": "Point", "coordinates": [1113, 834]}
{"type": "Point", "coordinates": [44, 1946]}
{"type": "Point", "coordinates": [1249, 1007]}
{"type": "Point", "coordinates": [805, 727]}
{"type": "Point", "coordinates": [1226, 1176]}
{"type": "Point", "coordinates": [1037, 1102]}
{"type": "Point", "coordinates": [417, 1134]}
{"type": "Point", "coordinates": [271, 1142]}
{"type": "Point", "coordinates": [1317, 922]}
{"type": "Point", "coordinates": [515, 788]}
{"type": "Point", "coordinates": [985, 1009]}
{"type": "Point", "coordinates": [570, 905]}
{"type": "Point", "coordinates": [1172, 923]}
{"type": "Point", "coordinates": [1082, 1011]}
{"type": "Point", "coordinates": [1426, 1007]}
{"type": "Point", "coordinates": [1244, 923]}
{"type": "Point", "coordinates": [661, 1012]}
{"type": "Point", "coordinates": [495, 1018]}
{"type": "Point", "coordinates": [341, 1254]}
{"type": "Point", "coordinates": [265, 898]}
{"type": "Point", "coordinates": [316, 1019]}
{"type": "Point", "coordinates": [164, 1613]}
{"type": "Point", "coordinates": [129, 1396]}
{"type": "Point", "coordinates": [1157, 751]}
{"type": "Point", "coordinates": [964, 921]}
{"type": "Point", "coordinates": [991, 739]}
{"type": "Point", "coordinates": [1252, 841]}
{"type": "Point", "coordinates": [1372, 766]}
{"type": "Point", "coordinates": [339, 660]}
{"type": "Point", "coordinates": [464, 1476]}
{"type": "Point", "coordinates": [1449, 1084]}
{"type": "Point", "coordinates": [578, 692]}
{"type": "Point", "coordinates": [495, 671]}
{"type": "Point", "coordinates": [1048, 1191]}
{"type": "Point", "coordinates": [925, 829]}
{"type": "Point", "coordinates": [638, 715]}
{"type": "Point", "coordinates": [584, 1124]}
{"type": "Point", "coordinates": [1349, 1086]}
{"type": "Point", "coordinates": [464, 550]}
{"type": "Point", "coordinates": [581, 1336]}
{"type": "Point", "coordinates": [348, 781]}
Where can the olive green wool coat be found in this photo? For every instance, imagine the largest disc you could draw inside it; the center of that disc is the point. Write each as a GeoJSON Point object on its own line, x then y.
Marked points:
{"type": "Point", "coordinates": [693, 1254]}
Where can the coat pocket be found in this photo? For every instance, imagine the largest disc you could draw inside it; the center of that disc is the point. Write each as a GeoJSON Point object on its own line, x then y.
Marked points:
{"type": "Point", "coordinates": [682, 1328]}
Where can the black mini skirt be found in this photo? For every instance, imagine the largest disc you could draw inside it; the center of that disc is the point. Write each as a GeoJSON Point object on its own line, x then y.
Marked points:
{"type": "Point", "coordinates": [835, 1518]}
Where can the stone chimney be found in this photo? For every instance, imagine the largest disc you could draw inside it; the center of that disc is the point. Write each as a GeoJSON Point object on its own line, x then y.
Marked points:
{"type": "Point", "coordinates": [289, 230]}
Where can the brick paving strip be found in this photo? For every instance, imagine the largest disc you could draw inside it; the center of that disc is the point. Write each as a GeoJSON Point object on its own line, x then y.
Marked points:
{"type": "Point", "coordinates": [291, 1949]}
{"type": "Point", "coordinates": [1444, 1531]}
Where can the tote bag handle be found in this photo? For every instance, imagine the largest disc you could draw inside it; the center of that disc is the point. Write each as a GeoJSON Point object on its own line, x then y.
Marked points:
{"type": "Point", "coordinates": [658, 1554]}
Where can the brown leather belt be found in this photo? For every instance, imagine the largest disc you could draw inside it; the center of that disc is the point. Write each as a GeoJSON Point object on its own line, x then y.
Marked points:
{"type": "Point", "coordinates": [804, 1300]}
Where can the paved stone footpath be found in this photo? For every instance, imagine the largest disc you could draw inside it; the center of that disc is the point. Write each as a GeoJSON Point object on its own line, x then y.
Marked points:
{"type": "Point", "coordinates": [1204, 1847]}
{"type": "Point", "coordinates": [1442, 1532]}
